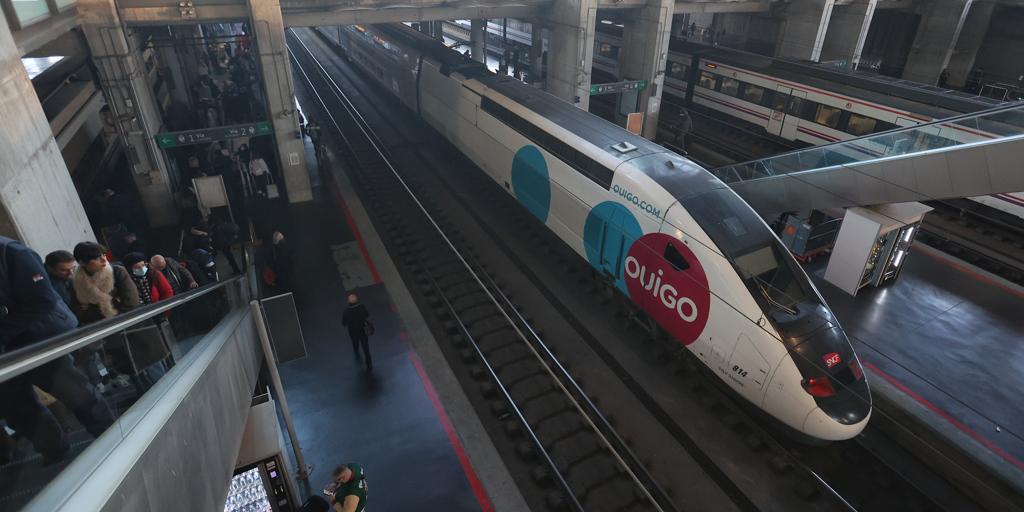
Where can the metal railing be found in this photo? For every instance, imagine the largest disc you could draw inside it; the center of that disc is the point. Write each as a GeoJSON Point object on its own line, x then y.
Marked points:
{"type": "Point", "coordinates": [19, 361]}
{"type": "Point", "coordinates": [970, 129]}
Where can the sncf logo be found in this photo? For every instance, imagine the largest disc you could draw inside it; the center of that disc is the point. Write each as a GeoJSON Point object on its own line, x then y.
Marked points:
{"type": "Point", "coordinates": [665, 279]}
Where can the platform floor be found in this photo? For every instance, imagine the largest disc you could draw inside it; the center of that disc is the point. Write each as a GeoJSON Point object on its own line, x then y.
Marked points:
{"type": "Point", "coordinates": [390, 420]}
{"type": "Point", "coordinates": [948, 336]}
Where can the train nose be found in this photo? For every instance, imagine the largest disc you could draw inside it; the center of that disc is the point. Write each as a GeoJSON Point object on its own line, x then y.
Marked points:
{"type": "Point", "coordinates": [850, 401]}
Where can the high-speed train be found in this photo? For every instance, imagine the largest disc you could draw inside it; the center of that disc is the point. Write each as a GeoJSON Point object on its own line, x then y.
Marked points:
{"type": "Point", "coordinates": [673, 238]}
{"type": "Point", "coordinates": [812, 104]}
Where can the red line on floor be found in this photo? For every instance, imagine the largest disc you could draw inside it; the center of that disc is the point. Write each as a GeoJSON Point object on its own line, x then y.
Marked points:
{"type": "Point", "coordinates": [355, 232]}
{"type": "Point", "coordinates": [460, 453]}
{"type": "Point", "coordinates": [933, 253]}
{"type": "Point", "coordinates": [946, 416]}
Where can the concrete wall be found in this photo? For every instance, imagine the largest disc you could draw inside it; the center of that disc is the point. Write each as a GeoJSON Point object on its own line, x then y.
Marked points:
{"type": "Point", "coordinates": [40, 205]}
{"type": "Point", "coordinates": [184, 433]}
{"type": "Point", "coordinates": [1002, 50]}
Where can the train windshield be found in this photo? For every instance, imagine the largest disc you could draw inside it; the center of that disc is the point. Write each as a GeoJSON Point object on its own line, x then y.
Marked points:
{"type": "Point", "coordinates": [759, 257]}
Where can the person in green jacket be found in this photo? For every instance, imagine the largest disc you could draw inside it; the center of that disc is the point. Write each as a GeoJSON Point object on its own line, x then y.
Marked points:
{"type": "Point", "coordinates": [350, 488]}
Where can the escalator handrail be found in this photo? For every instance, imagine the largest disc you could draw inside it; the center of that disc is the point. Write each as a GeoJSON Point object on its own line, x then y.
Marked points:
{"type": "Point", "coordinates": [1017, 105]}
{"type": "Point", "coordinates": [21, 360]}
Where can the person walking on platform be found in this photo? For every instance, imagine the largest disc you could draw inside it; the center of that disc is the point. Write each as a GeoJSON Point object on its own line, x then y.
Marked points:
{"type": "Point", "coordinates": [348, 489]}
{"type": "Point", "coordinates": [356, 319]}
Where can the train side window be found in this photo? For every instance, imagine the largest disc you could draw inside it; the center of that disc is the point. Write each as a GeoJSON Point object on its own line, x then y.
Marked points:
{"type": "Point", "coordinates": [675, 259]}
{"type": "Point", "coordinates": [730, 86]}
{"type": "Point", "coordinates": [774, 100]}
{"type": "Point", "coordinates": [883, 126]}
{"type": "Point", "coordinates": [753, 93]}
{"type": "Point", "coordinates": [707, 80]}
{"type": "Point", "coordinates": [676, 70]}
{"type": "Point", "coordinates": [827, 116]}
{"type": "Point", "coordinates": [861, 125]}
{"type": "Point", "coordinates": [796, 105]}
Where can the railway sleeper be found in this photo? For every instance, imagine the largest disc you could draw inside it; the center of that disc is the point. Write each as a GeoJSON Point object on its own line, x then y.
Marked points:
{"type": "Point", "coordinates": [496, 340]}
{"type": "Point", "coordinates": [481, 312]}
{"type": "Point", "coordinates": [541, 408]}
{"type": "Point", "coordinates": [575, 449]}
{"type": "Point", "coordinates": [561, 426]}
{"type": "Point", "coordinates": [488, 325]}
{"type": "Point", "coordinates": [508, 355]}
{"type": "Point", "coordinates": [515, 372]}
{"type": "Point", "coordinates": [601, 471]}
{"type": "Point", "coordinates": [617, 496]}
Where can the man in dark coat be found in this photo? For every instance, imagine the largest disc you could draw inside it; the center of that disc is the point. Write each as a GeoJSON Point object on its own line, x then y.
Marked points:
{"type": "Point", "coordinates": [31, 311]}
{"type": "Point", "coordinates": [60, 265]}
{"type": "Point", "coordinates": [354, 318]}
{"type": "Point", "coordinates": [180, 278]}
{"type": "Point", "coordinates": [225, 234]}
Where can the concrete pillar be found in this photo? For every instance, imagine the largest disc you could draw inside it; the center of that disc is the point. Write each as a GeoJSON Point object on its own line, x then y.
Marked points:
{"type": "Point", "coordinates": [936, 37]}
{"type": "Point", "coordinates": [571, 50]}
{"type": "Point", "coordinates": [536, 52]}
{"type": "Point", "coordinates": [173, 60]}
{"type": "Point", "coordinates": [38, 202]}
{"type": "Point", "coordinates": [804, 29]}
{"type": "Point", "coordinates": [972, 35]}
{"type": "Point", "coordinates": [126, 86]}
{"type": "Point", "coordinates": [275, 71]}
{"type": "Point", "coordinates": [478, 38]}
{"type": "Point", "coordinates": [644, 52]}
{"type": "Point", "coordinates": [847, 31]}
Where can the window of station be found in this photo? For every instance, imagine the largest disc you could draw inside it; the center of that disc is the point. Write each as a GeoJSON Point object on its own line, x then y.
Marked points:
{"type": "Point", "coordinates": [730, 86]}
{"type": "Point", "coordinates": [753, 93]}
{"type": "Point", "coordinates": [860, 125]}
{"type": "Point", "coordinates": [707, 80]}
{"type": "Point", "coordinates": [827, 116]}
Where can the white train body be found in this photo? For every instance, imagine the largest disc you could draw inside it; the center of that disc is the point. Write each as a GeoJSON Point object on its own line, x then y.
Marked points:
{"type": "Point", "coordinates": [642, 217]}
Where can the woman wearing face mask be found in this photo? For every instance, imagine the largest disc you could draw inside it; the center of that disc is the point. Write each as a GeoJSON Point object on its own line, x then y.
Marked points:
{"type": "Point", "coordinates": [153, 287]}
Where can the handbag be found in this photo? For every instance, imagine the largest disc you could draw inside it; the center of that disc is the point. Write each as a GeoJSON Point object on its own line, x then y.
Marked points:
{"type": "Point", "coordinates": [369, 328]}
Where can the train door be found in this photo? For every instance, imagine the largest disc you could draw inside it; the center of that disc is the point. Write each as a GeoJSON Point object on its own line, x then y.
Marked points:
{"type": "Point", "coordinates": [785, 118]}
{"type": "Point", "coordinates": [614, 243]}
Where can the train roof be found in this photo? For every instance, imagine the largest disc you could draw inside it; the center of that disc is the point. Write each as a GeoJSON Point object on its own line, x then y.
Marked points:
{"type": "Point", "coordinates": [682, 180]}
{"type": "Point", "coordinates": [910, 96]}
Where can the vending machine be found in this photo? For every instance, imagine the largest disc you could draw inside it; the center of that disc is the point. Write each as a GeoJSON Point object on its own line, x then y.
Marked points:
{"type": "Point", "coordinates": [261, 482]}
{"type": "Point", "coordinates": [873, 244]}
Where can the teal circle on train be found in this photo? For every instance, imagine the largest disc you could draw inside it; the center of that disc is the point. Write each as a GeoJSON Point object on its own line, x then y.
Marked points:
{"type": "Point", "coordinates": [608, 233]}
{"type": "Point", "coordinates": [531, 182]}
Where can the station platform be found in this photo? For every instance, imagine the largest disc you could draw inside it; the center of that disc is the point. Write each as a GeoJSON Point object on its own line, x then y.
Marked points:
{"type": "Point", "coordinates": [942, 344]}
{"type": "Point", "coordinates": [407, 422]}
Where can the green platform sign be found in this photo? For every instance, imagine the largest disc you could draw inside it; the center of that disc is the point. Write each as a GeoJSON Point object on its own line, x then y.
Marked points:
{"type": "Point", "coordinates": [617, 87]}
{"type": "Point", "coordinates": [207, 135]}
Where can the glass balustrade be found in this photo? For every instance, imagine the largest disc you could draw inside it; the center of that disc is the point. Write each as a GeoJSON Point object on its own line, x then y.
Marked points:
{"type": "Point", "coordinates": [972, 129]}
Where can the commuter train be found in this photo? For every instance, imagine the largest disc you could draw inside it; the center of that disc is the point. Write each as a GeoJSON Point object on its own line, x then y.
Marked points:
{"type": "Point", "coordinates": [671, 237]}
{"type": "Point", "coordinates": [811, 104]}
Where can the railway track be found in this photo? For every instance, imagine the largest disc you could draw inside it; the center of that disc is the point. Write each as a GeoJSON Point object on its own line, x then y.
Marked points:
{"type": "Point", "coordinates": [961, 230]}
{"type": "Point", "coordinates": [812, 483]}
{"type": "Point", "coordinates": [580, 458]}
